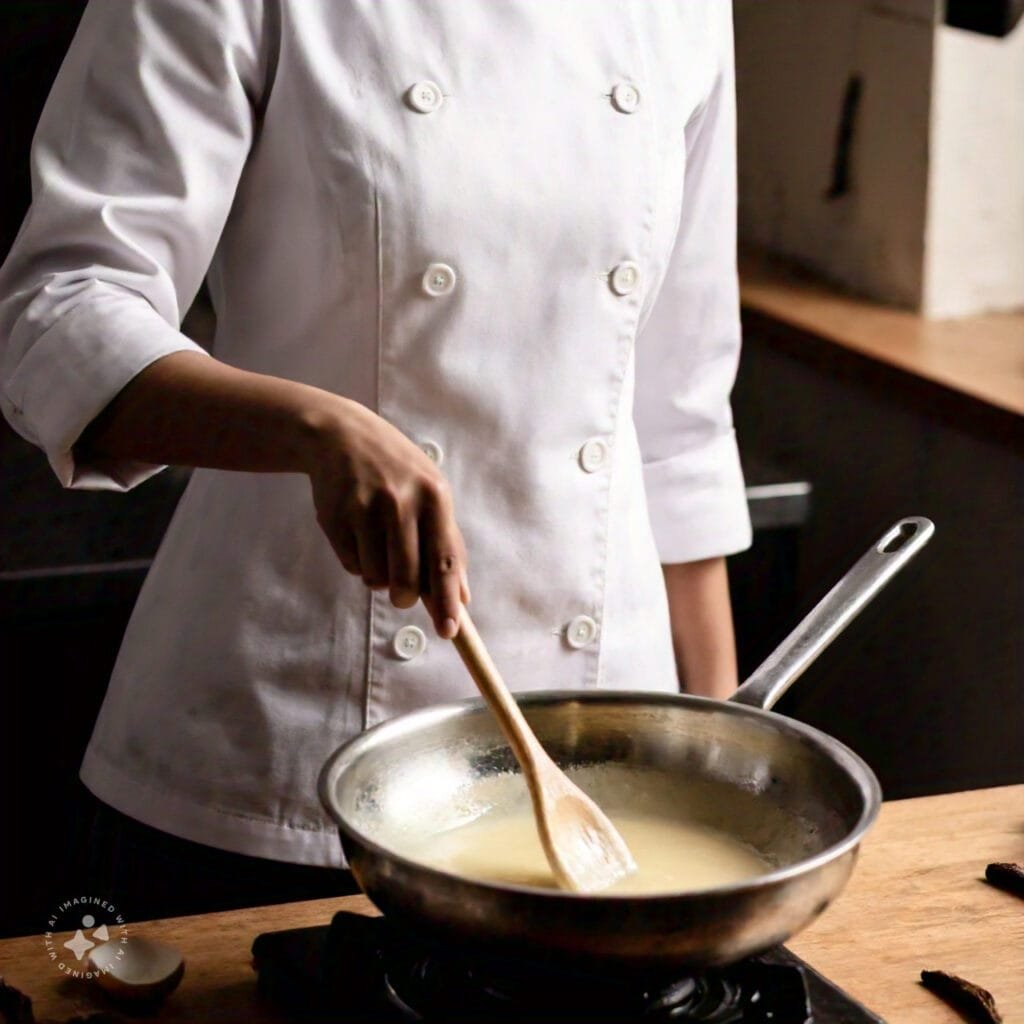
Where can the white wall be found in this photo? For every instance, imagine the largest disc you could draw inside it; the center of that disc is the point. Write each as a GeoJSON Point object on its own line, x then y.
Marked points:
{"type": "Point", "coordinates": [937, 155]}
{"type": "Point", "coordinates": [794, 59]}
{"type": "Point", "coordinates": [974, 248]}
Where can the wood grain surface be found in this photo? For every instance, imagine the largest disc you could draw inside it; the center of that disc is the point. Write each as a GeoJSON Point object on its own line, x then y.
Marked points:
{"type": "Point", "coordinates": [917, 900]}
{"type": "Point", "coordinates": [979, 356]}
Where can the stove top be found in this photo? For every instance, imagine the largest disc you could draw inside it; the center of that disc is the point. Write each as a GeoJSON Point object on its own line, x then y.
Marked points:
{"type": "Point", "coordinates": [357, 969]}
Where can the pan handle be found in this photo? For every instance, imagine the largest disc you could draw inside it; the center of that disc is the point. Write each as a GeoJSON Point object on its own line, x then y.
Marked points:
{"type": "Point", "coordinates": [834, 612]}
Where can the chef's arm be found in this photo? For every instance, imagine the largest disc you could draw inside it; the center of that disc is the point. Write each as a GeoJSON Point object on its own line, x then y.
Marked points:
{"type": "Point", "coordinates": [382, 503]}
{"type": "Point", "coordinates": [702, 631]}
{"type": "Point", "coordinates": [686, 359]}
{"type": "Point", "coordinates": [136, 162]}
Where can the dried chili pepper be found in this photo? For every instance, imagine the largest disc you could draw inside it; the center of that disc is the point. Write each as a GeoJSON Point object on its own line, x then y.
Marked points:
{"type": "Point", "coordinates": [975, 1002]}
{"type": "Point", "coordinates": [1006, 876]}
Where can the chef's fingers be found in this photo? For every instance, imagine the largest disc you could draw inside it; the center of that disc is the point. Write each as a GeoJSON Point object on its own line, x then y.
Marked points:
{"type": "Point", "coordinates": [404, 561]}
{"type": "Point", "coordinates": [370, 527]}
{"type": "Point", "coordinates": [443, 561]}
{"type": "Point", "coordinates": [337, 529]}
{"type": "Point", "coordinates": [463, 571]}
{"type": "Point", "coordinates": [343, 540]}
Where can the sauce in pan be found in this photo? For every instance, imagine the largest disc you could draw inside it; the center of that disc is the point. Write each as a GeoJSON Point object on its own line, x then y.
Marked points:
{"type": "Point", "coordinates": [671, 856]}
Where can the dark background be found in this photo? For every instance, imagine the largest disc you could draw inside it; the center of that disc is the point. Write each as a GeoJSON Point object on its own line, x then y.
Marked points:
{"type": "Point", "coordinates": [927, 685]}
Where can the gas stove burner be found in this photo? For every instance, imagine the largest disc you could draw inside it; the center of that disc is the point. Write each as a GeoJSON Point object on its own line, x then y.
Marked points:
{"type": "Point", "coordinates": [361, 970]}
{"type": "Point", "coordinates": [447, 986]}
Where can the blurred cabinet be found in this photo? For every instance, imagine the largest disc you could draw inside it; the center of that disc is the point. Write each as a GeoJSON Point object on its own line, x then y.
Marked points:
{"type": "Point", "coordinates": [928, 684]}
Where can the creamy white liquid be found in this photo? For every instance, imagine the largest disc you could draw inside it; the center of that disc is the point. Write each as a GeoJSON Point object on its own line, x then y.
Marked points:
{"type": "Point", "coordinates": [671, 856]}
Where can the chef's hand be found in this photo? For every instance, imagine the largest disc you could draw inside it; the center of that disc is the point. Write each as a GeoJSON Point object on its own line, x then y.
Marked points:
{"type": "Point", "coordinates": [388, 513]}
{"type": "Point", "coordinates": [382, 503]}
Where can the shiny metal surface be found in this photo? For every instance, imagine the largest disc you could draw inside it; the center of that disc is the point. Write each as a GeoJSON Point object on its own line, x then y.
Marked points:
{"type": "Point", "coordinates": [798, 796]}
{"type": "Point", "coordinates": [835, 611]}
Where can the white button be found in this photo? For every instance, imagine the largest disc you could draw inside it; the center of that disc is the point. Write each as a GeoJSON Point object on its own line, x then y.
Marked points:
{"type": "Point", "coordinates": [625, 277]}
{"type": "Point", "coordinates": [581, 631]}
{"type": "Point", "coordinates": [439, 279]}
{"type": "Point", "coordinates": [625, 97]}
{"type": "Point", "coordinates": [409, 642]}
{"type": "Point", "coordinates": [593, 455]}
{"type": "Point", "coordinates": [425, 97]}
{"type": "Point", "coordinates": [433, 451]}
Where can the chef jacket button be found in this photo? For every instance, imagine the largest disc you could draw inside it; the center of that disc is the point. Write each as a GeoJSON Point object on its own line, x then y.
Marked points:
{"type": "Point", "coordinates": [409, 642]}
{"type": "Point", "coordinates": [433, 451]}
{"type": "Point", "coordinates": [581, 631]}
{"type": "Point", "coordinates": [625, 97]}
{"type": "Point", "coordinates": [593, 455]}
{"type": "Point", "coordinates": [425, 97]}
{"type": "Point", "coordinates": [439, 279]}
{"type": "Point", "coordinates": [624, 278]}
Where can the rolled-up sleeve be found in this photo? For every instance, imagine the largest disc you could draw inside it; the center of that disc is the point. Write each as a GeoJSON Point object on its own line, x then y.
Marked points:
{"type": "Point", "coordinates": [688, 352]}
{"type": "Point", "coordinates": [135, 164]}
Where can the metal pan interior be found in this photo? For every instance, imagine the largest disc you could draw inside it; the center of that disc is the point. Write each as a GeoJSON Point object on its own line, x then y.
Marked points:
{"type": "Point", "coordinates": [790, 792]}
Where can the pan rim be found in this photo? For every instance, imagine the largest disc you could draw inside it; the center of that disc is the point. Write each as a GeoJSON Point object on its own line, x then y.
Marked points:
{"type": "Point", "coordinates": [851, 762]}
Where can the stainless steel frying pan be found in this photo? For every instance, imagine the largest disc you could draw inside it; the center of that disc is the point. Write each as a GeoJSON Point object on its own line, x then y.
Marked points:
{"type": "Point", "coordinates": [798, 796]}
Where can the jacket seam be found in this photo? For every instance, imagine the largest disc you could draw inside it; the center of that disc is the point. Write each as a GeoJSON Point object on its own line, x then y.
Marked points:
{"type": "Point", "coordinates": [378, 234]}
{"type": "Point", "coordinates": [627, 343]}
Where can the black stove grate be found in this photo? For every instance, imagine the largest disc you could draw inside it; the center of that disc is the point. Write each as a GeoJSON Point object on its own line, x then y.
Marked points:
{"type": "Point", "coordinates": [357, 970]}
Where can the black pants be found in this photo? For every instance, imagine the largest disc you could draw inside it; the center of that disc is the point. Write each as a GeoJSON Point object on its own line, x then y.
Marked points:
{"type": "Point", "coordinates": [148, 874]}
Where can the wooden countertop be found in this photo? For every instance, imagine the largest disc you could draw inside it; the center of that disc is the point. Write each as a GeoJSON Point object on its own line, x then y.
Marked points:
{"type": "Point", "coordinates": [980, 356]}
{"type": "Point", "coordinates": [916, 900]}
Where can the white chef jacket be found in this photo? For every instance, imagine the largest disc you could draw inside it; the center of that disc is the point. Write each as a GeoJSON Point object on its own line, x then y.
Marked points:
{"type": "Point", "coordinates": [507, 227]}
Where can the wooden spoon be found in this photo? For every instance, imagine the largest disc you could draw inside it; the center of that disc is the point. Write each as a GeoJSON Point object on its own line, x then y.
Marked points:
{"type": "Point", "coordinates": [583, 847]}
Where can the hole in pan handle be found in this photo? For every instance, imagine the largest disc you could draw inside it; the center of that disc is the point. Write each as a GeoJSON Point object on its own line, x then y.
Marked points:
{"type": "Point", "coordinates": [834, 612]}
{"type": "Point", "coordinates": [899, 535]}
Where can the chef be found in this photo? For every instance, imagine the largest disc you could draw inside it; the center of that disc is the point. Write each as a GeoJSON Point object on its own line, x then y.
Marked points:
{"type": "Point", "coordinates": [473, 265]}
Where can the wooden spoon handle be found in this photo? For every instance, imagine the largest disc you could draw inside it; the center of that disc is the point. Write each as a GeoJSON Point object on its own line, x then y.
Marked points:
{"type": "Point", "coordinates": [585, 851]}
{"type": "Point", "coordinates": [488, 679]}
